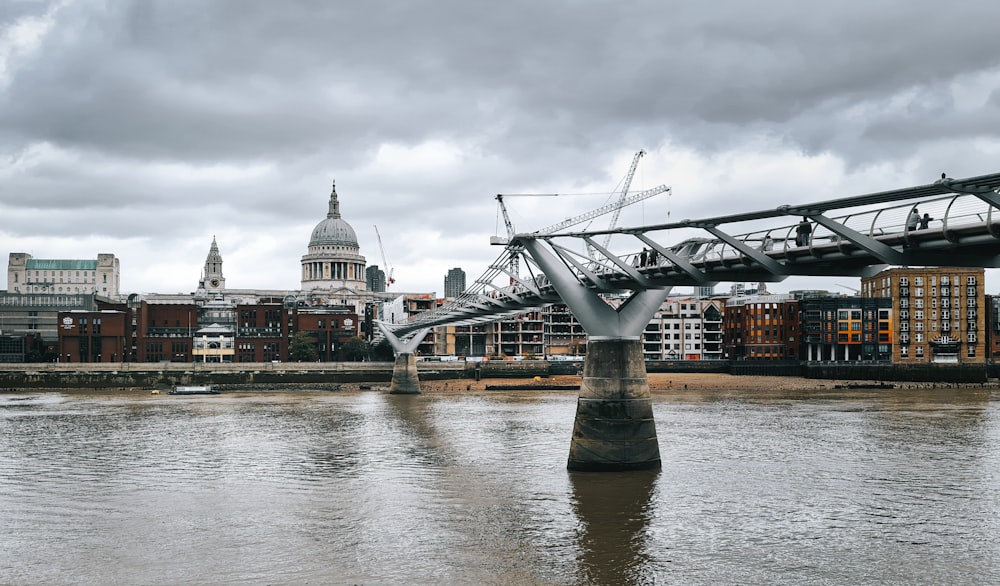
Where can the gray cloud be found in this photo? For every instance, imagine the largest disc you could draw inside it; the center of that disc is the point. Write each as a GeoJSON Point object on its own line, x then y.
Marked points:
{"type": "Point", "coordinates": [164, 119]}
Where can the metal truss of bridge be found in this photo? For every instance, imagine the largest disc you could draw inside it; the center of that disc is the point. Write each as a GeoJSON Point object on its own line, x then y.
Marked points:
{"type": "Point", "coordinates": [635, 268]}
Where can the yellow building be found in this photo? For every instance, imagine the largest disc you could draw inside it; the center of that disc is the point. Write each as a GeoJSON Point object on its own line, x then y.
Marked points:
{"type": "Point", "coordinates": [940, 311]}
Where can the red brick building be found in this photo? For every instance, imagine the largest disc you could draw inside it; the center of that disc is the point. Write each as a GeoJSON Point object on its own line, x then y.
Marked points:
{"type": "Point", "coordinates": [329, 327]}
{"type": "Point", "coordinates": [762, 327]}
{"type": "Point", "coordinates": [94, 336]}
{"type": "Point", "coordinates": [164, 332]}
{"type": "Point", "coordinates": [262, 332]}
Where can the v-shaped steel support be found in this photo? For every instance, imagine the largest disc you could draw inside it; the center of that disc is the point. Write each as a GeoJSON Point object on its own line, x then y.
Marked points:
{"type": "Point", "coordinates": [399, 345]}
{"type": "Point", "coordinates": [597, 317]}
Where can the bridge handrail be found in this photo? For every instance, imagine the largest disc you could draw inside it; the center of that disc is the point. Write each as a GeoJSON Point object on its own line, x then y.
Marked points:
{"type": "Point", "coordinates": [958, 204]}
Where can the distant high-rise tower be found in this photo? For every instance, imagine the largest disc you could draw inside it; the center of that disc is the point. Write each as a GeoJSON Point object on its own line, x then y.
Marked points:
{"type": "Point", "coordinates": [454, 283]}
{"type": "Point", "coordinates": [375, 279]}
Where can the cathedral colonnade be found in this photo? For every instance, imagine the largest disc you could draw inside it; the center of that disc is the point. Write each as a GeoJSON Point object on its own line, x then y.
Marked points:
{"type": "Point", "coordinates": [337, 271]}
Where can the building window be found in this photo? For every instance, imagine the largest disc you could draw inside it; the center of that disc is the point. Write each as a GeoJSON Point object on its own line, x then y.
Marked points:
{"type": "Point", "coordinates": [919, 351]}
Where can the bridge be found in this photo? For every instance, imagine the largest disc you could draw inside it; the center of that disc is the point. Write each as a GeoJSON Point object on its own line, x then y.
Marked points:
{"type": "Point", "coordinates": [615, 286]}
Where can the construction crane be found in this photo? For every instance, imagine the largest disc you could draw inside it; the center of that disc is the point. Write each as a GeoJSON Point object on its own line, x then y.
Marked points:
{"type": "Point", "coordinates": [506, 217]}
{"type": "Point", "coordinates": [616, 206]}
{"type": "Point", "coordinates": [604, 209]}
{"type": "Point", "coordinates": [515, 268]}
{"type": "Point", "coordinates": [388, 276]}
{"type": "Point", "coordinates": [625, 186]}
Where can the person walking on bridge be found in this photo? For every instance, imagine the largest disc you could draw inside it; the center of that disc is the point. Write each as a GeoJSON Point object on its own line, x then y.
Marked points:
{"type": "Point", "coordinates": [802, 232]}
{"type": "Point", "coordinates": [913, 219]}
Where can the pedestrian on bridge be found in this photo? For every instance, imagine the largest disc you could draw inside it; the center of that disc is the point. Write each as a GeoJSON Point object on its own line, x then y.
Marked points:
{"type": "Point", "coordinates": [802, 232]}
{"type": "Point", "coordinates": [925, 221]}
{"type": "Point", "coordinates": [913, 219]}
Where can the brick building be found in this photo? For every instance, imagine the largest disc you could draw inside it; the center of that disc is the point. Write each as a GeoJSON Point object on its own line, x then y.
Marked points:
{"type": "Point", "coordinates": [762, 327]}
{"type": "Point", "coordinates": [941, 313]}
{"type": "Point", "coordinates": [95, 336]}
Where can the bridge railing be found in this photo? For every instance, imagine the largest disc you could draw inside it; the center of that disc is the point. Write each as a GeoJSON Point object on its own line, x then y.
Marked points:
{"type": "Point", "coordinates": [946, 213]}
{"type": "Point", "coordinates": [965, 211]}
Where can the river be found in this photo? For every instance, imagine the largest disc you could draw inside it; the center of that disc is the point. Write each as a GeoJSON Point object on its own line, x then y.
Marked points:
{"type": "Point", "coordinates": [757, 487]}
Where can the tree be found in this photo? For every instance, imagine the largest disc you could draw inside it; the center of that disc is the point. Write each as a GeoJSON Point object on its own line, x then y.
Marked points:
{"type": "Point", "coordinates": [382, 352]}
{"type": "Point", "coordinates": [302, 348]}
{"type": "Point", "coordinates": [355, 349]}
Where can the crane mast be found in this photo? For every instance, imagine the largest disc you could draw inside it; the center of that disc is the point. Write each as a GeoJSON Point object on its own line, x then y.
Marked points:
{"type": "Point", "coordinates": [621, 199]}
{"type": "Point", "coordinates": [388, 277]}
{"type": "Point", "coordinates": [616, 206]}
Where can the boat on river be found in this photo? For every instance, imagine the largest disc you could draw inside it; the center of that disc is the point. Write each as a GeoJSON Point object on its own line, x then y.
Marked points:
{"type": "Point", "coordinates": [193, 390]}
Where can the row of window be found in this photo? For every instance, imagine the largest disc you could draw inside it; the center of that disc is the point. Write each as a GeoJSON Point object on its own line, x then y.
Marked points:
{"type": "Point", "coordinates": [971, 337]}
{"type": "Point", "coordinates": [945, 280]}
{"type": "Point", "coordinates": [918, 351]}
{"type": "Point", "coordinates": [945, 326]}
{"type": "Point", "coordinates": [945, 302]}
{"type": "Point", "coordinates": [945, 292]}
{"type": "Point", "coordinates": [946, 314]}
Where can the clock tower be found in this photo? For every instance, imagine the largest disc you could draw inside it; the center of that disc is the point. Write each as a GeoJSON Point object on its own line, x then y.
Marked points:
{"type": "Point", "coordinates": [211, 275]}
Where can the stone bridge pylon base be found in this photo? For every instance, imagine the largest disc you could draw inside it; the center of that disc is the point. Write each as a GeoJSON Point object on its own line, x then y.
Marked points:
{"type": "Point", "coordinates": [404, 375]}
{"type": "Point", "coordinates": [614, 427]}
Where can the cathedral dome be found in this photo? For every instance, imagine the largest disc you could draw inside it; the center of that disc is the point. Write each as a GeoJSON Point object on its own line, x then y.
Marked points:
{"type": "Point", "coordinates": [334, 230]}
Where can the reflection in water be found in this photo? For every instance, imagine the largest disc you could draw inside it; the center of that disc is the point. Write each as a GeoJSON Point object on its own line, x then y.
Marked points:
{"type": "Point", "coordinates": [614, 514]}
{"type": "Point", "coordinates": [366, 488]}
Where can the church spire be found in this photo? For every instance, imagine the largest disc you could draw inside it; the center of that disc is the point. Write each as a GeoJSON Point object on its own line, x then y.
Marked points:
{"type": "Point", "coordinates": [334, 203]}
{"type": "Point", "coordinates": [212, 273]}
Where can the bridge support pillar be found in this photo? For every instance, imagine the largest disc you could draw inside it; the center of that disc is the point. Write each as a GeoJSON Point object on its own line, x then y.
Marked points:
{"type": "Point", "coordinates": [404, 371]}
{"type": "Point", "coordinates": [404, 375]}
{"type": "Point", "coordinates": [614, 427]}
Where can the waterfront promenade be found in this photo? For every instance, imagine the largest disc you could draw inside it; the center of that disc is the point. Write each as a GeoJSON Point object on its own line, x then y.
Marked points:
{"type": "Point", "coordinates": [435, 377]}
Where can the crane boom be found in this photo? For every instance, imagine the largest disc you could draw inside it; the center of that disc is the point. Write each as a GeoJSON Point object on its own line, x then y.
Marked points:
{"type": "Point", "coordinates": [388, 277]}
{"type": "Point", "coordinates": [639, 196]}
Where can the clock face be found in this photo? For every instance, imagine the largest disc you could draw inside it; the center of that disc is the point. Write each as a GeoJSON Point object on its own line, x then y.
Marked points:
{"type": "Point", "coordinates": [215, 282]}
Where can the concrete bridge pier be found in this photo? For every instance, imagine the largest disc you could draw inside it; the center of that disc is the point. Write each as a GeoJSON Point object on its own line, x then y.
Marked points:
{"type": "Point", "coordinates": [404, 371]}
{"type": "Point", "coordinates": [614, 428]}
{"type": "Point", "coordinates": [404, 375]}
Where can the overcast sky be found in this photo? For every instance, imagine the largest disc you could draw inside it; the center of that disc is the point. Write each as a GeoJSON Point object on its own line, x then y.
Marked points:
{"type": "Point", "coordinates": [145, 128]}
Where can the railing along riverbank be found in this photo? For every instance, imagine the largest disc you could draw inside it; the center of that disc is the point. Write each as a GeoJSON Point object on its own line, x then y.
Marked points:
{"type": "Point", "coordinates": [18, 376]}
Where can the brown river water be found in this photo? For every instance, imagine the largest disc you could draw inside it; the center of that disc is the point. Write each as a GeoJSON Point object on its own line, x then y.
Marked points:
{"type": "Point", "coordinates": [361, 487]}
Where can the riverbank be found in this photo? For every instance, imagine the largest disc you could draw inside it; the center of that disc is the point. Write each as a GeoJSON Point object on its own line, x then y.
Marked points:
{"type": "Point", "coordinates": [672, 383]}
{"type": "Point", "coordinates": [434, 378]}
